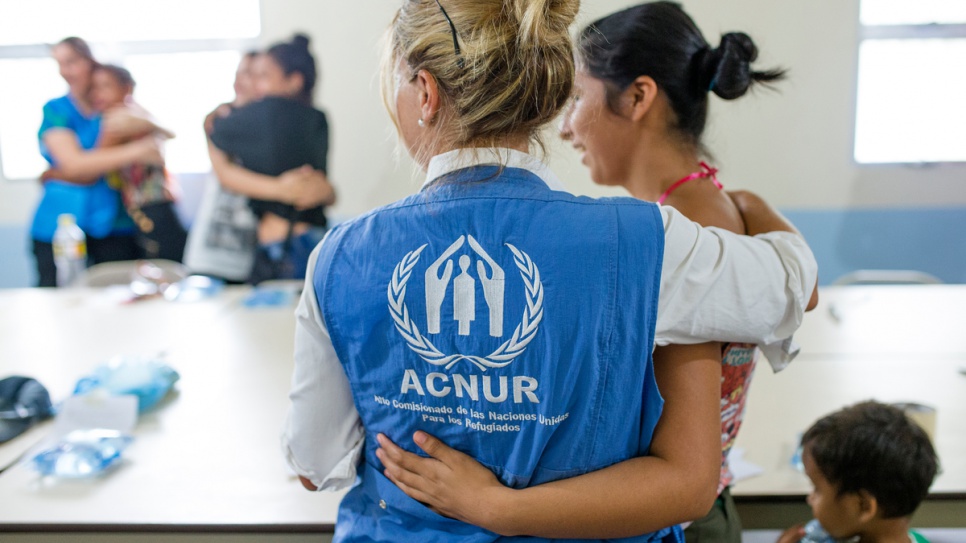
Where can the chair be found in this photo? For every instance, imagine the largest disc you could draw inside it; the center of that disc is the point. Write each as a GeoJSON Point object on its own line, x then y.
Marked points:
{"type": "Point", "coordinates": [887, 277]}
{"type": "Point", "coordinates": [146, 275]}
{"type": "Point", "coordinates": [880, 277]}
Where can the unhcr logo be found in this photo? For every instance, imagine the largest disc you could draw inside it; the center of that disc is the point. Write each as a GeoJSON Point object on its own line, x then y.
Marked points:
{"type": "Point", "coordinates": [439, 281]}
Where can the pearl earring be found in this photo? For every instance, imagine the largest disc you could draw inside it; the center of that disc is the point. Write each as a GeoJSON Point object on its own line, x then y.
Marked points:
{"type": "Point", "coordinates": [421, 123]}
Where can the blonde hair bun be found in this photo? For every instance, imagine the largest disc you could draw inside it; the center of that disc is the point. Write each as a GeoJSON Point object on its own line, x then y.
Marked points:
{"type": "Point", "coordinates": [542, 20]}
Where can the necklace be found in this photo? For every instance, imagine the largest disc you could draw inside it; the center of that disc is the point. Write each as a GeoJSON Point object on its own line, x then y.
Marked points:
{"type": "Point", "coordinates": [705, 171]}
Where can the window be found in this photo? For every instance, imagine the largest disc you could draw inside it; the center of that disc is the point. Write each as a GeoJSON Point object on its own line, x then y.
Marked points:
{"type": "Point", "coordinates": [182, 53]}
{"type": "Point", "coordinates": [911, 79]}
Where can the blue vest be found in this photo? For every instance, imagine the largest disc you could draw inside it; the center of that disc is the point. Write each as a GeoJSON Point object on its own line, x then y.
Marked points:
{"type": "Point", "coordinates": [97, 207]}
{"type": "Point", "coordinates": [513, 322]}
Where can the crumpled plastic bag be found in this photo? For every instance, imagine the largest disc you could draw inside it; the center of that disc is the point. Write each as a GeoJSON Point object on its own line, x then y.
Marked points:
{"type": "Point", "coordinates": [82, 454]}
{"type": "Point", "coordinates": [147, 378]}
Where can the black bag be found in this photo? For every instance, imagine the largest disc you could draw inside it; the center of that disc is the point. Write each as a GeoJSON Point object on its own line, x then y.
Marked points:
{"type": "Point", "coordinates": [23, 403]}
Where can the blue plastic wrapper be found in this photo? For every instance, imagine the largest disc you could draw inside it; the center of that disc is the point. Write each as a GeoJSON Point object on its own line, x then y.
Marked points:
{"type": "Point", "coordinates": [148, 379]}
{"type": "Point", "coordinates": [269, 297]}
{"type": "Point", "coordinates": [194, 288]}
{"type": "Point", "coordinates": [82, 454]}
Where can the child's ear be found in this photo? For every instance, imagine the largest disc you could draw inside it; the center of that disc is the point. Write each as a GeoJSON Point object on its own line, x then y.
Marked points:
{"type": "Point", "coordinates": [868, 506]}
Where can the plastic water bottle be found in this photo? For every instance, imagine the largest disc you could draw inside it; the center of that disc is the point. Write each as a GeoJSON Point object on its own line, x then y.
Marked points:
{"type": "Point", "coordinates": [70, 250]}
{"type": "Point", "coordinates": [814, 533]}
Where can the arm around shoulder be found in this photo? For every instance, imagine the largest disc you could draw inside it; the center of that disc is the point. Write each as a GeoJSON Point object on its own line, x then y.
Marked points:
{"type": "Point", "coordinates": [87, 166]}
{"type": "Point", "coordinates": [721, 286]}
{"type": "Point", "coordinates": [760, 218]}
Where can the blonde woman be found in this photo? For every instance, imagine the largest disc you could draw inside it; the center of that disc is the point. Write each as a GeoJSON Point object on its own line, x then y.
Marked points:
{"type": "Point", "coordinates": [514, 321]}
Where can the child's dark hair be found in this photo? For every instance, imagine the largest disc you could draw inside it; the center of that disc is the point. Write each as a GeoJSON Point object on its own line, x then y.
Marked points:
{"type": "Point", "coordinates": [660, 40]}
{"type": "Point", "coordinates": [294, 57]}
{"type": "Point", "coordinates": [874, 447]}
{"type": "Point", "coordinates": [121, 75]}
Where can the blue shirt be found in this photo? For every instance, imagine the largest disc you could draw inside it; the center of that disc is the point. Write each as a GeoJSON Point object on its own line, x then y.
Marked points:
{"type": "Point", "coordinates": [514, 322]}
{"type": "Point", "coordinates": [96, 207]}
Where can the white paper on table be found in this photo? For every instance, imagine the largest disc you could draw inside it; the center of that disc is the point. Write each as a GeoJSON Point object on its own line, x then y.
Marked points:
{"type": "Point", "coordinates": [96, 411]}
{"type": "Point", "coordinates": [741, 468]}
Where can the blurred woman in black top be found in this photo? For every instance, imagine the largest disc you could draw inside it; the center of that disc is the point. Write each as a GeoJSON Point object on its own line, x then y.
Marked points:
{"type": "Point", "coordinates": [274, 150]}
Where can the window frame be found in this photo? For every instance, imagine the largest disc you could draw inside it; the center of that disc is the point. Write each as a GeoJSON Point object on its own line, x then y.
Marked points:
{"type": "Point", "coordinates": [923, 31]}
{"type": "Point", "coordinates": [124, 49]}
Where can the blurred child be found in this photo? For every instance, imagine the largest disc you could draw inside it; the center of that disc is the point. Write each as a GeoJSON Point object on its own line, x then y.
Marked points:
{"type": "Point", "coordinates": [146, 189]}
{"type": "Point", "coordinates": [871, 467]}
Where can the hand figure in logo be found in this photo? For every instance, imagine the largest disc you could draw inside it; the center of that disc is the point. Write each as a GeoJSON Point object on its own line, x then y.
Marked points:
{"type": "Point", "coordinates": [464, 297]}
{"type": "Point", "coordinates": [436, 285]}
{"type": "Point", "coordinates": [493, 286]}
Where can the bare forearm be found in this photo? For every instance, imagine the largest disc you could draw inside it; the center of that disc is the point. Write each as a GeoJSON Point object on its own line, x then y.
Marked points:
{"type": "Point", "coordinates": [87, 167]}
{"type": "Point", "coordinates": [633, 497]}
{"type": "Point", "coordinates": [247, 182]}
{"type": "Point", "coordinates": [241, 180]}
{"type": "Point", "coordinates": [132, 122]}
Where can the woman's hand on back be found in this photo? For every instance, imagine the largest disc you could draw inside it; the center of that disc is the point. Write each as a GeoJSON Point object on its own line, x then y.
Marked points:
{"type": "Point", "coordinates": [222, 110]}
{"type": "Point", "coordinates": [122, 123]}
{"type": "Point", "coordinates": [448, 482]}
{"type": "Point", "coordinates": [305, 187]}
{"type": "Point", "coordinates": [147, 151]}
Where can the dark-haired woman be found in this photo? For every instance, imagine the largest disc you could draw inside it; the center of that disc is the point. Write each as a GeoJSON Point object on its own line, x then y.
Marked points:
{"type": "Point", "coordinates": [639, 110]}
{"type": "Point", "coordinates": [68, 141]}
{"type": "Point", "coordinates": [637, 115]}
{"type": "Point", "coordinates": [274, 151]}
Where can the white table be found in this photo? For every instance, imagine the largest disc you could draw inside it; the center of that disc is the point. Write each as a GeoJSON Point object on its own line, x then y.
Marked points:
{"type": "Point", "coordinates": [207, 460]}
{"type": "Point", "coordinates": [903, 322]}
{"type": "Point", "coordinates": [888, 343]}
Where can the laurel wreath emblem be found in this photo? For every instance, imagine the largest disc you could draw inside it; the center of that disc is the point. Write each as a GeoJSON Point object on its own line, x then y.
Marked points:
{"type": "Point", "coordinates": [505, 353]}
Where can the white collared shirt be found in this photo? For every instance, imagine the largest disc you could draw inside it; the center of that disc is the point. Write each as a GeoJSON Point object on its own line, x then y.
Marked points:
{"type": "Point", "coordinates": [715, 285]}
{"type": "Point", "coordinates": [458, 159]}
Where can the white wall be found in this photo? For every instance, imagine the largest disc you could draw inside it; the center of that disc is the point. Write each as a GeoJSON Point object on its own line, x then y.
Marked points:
{"type": "Point", "coordinates": [793, 146]}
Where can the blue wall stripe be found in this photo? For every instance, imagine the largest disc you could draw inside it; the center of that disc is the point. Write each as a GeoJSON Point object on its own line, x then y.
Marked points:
{"type": "Point", "coordinates": [16, 259]}
{"type": "Point", "coordinates": [930, 240]}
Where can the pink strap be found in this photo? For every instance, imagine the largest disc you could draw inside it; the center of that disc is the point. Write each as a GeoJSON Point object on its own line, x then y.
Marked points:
{"type": "Point", "coordinates": [706, 171]}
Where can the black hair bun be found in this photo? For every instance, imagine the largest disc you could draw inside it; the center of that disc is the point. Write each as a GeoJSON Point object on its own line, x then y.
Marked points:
{"type": "Point", "coordinates": [731, 74]}
{"type": "Point", "coordinates": [301, 41]}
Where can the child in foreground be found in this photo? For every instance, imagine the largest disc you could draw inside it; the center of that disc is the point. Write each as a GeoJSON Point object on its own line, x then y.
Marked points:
{"type": "Point", "coordinates": [870, 467]}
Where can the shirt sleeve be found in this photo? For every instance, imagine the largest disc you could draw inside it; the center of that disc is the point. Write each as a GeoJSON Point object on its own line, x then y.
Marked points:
{"type": "Point", "coordinates": [323, 435]}
{"type": "Point", "coordinates": [54, 117]}
{"type": "Point", "coordinates": [721, 286]}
